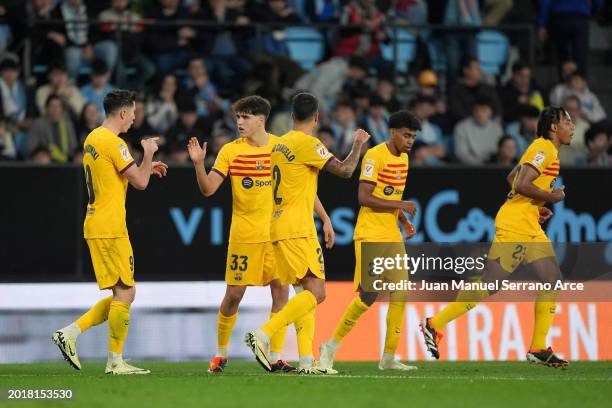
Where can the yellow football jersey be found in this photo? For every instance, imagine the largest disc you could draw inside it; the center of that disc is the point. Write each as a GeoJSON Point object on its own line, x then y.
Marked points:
{"type": "Point", "coordinates": [296, 161]}
{"type": "Point", "coordinates": [388, 173]}
{"type": "Point", "coordinates": [520, 214]}
{"type": "Point", "coordinates": [105, 158]}
{"type": "Point", "coordinates": [249, 170]}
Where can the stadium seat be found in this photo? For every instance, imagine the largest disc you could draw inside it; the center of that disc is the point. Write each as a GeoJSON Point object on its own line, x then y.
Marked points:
{"type": "Point", "coordinates": [406, 48]}
{"type": "Point", "coordinates": [306, 46]}
{"type": "Point", "coordinates": [492, 50]}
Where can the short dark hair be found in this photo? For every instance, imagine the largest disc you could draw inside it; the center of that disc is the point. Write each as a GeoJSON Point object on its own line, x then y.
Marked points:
{"type": "Point", "coordinates": [357, 61]}
{"type": "Point", "coordinates": [404, 119]}
{"type": "Point", "coordinates": [483, 101]}
{"type": "Point", "coordinates": [117, 99]}
{"type": "Point", "coordinates": [304, 106]}
{"type": "Point", "coordinates": [467, 61]}
{"type": "Point", "coordinates": [551, 115]}
{"type": "Point", "coordinates": [377, 100]}
{"type": "Point", "coordinates": [53, 97]}
{"type": "Point", "coordinates": [519, 65]}
{"type": "Point", "coordinates": [252, 105]}
{"type": "Point", "coordinates": [420, 99]}
{"type": "Point", "coordinates": [98, 67]}
{"type": "Point", "coordinates": [503, 139]}
{"type": "Point", "coordinates": [528, 111]}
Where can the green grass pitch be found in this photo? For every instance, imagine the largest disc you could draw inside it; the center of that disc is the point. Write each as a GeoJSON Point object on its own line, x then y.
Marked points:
{"type": "Point", "coordinates": [245, 384]}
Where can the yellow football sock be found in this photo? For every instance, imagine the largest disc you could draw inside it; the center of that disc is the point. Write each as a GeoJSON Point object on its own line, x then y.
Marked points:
{"type": "Point", "coordinates": [305, 328]}
{"type": "Point", "coordinates": [466, 301]}
{"type": "Point", "coordinates": [96, 315]}
{"type": "Point", "coordinates": [225, 325]}
{"type": "Point", "coordinates": [277, 341]}
{"type": "Point", "coordinates": [299, 305]}
{"type": "Point", "coordinates": [353, 312]}
{"type": "Point", "coordinates": [395, 319]}
{"type": "Point", "coordinates": [118, 324]}
{"type": "Point", "coordinates": [545, 308]}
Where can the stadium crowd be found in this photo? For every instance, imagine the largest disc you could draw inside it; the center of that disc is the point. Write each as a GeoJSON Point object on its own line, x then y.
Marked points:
{"type": "Point", "coordinates": [188, 74]}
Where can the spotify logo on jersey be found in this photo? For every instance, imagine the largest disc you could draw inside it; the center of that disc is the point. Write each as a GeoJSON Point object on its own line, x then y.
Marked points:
{"type": "Point", "coordinates": [386, 191]}
{"type": "Point", "coordinates": [247, 182]}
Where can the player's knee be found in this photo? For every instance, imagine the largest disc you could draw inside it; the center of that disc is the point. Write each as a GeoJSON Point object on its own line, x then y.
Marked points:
{"type": "Point", "coordinates": [234, 294]}
{"type": "Point", "coordinates": [320, 295]}
{"type": "Point", "coordinates": [368, 298]}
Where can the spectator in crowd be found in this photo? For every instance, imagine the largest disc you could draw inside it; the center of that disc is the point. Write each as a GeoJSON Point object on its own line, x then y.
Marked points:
{"type": "Point", "coordinates": [421, 155]}
{"type": "Point", "coordinates": [470, 88]}
{"type": "Point", "coordinates": [281, 121]}
{"type": "Point", "coordinates": [140, 129]}
{"type": "Point", "coordinates": [198, 86]}
{"type": "Point", "coordinates": [276, 11]}
{"type": "Point", "coordinates": [525, 129]}
{"type": "Point", "coordinates": [576, 151]}
{"type": "Point", "coordinates": [423, 107]}
{"type": "Point", "coordinates": [567, 23]}
{"type": "Point", "coordinates": [225, 49]}
{"type": "Point", "coordinates": [6, 34]}
{"type": "Point", "coordinates": [589, 102]}
{"type": "Point", "coordinates": [54, 131]}
{"type": "Point", "coordinates": [520, 90]}
{"type": "Point", "coordinates": [506, 152]}
{"type": "Point", "coordinates": [89, 120]}
{"type": "Point", "coordinates": [409, 11]}
{"type": "Point", "coordinates": [427, 83]}
{"type": "Point", "coordinates": [326, 135]}
{"type": "Point", "coordinates": [161, 110]}
{"type": "Point", "coordinates": [599, 145]}
{"type": "Point", "coordinates": [95, 90]}
{"type": "Point", "coordinates": [343, 125]}
{"type": "Point", "coordinates": [460, 45]}
{"type": "Point", "coordinates": [59, 84]}
{"type": "Point", "coordinates": [355, 41]}
{"type": "Point", "coordinates": [385, 89]}
{"type": "Point", "coordinates": [220, 137]}
{"type": "Point", "coordinates": [560, 89]}
{"type": "Point", "coordinates": [476, 137]}
{"type": "Point", "coordinates": [323, 11]}
{"type": "Point", "coordinates": [119, 18]}
{"type": "Point", "coordinates": [169, 45]}
{"type": "Point", "coordinates": [177, 153]}
{"type": "Point", "coordinates": [48, 39]}
{"type": "Point", "coordinates": [12, 93]}
{"type": "Point", "coordinates": [8, 151]}
{"type": "Point", "coordinates": [79, 49]}
{"type": "Point", "coordinates": [376, 121]}
{"type": "Point", "coordinates": [360, 97]}
{"type": "Point", "coordinates": [41, 156]}
{"type": "Point", "coordinates": [189, 125]}
{"type": "Point", "coordinates": [495, 11]}
{"type": "Point", "coordinates": [328, 79]}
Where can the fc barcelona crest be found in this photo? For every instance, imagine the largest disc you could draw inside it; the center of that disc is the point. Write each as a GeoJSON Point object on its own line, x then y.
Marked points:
{"type": "Point", "coordinates": [398, 175]}
{"type": "Point", "coordinates": [259, 165]}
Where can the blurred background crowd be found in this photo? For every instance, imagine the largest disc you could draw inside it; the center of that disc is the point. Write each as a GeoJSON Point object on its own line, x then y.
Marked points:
{"type": "Point", "coordinates": [477, 73]}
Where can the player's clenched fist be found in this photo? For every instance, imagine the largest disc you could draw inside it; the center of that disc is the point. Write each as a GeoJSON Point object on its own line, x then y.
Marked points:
{"type": "Point", "coordinates": [150, 144]}
{"type": "Point", "coordinates": [360, 136]}
{"type": "Point", "coordinates": [558, 194]}
{"type": "Point", "coordinates": [196, 153]}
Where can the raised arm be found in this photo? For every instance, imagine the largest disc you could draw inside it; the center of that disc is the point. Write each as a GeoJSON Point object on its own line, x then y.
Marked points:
{"type": "Point", "coordinates": [346, 167]}
{"type": "Point", "coordinates": [139, 176]}
{"type": "Point", "coordinates": [328, 228]}
{"type": "Point", "coordinates": [367, 199]}
{"type": "Point", "coordinates": [208, 183]}
{"type": "Point", "coordinates": [525, 187]}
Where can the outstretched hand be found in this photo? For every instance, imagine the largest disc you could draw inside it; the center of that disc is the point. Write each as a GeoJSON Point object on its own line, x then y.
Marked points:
{"type": "Point", "coordinates": [197, 153]}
